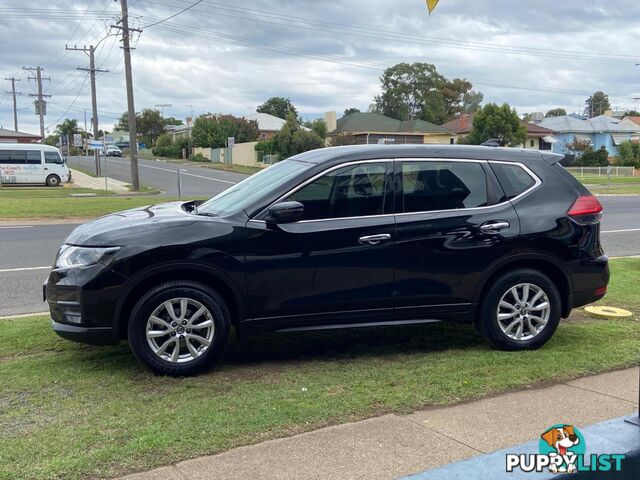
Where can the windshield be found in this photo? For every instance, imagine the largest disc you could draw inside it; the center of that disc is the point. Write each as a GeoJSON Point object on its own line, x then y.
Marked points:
{"type": "Point", "coordinates": [247, 191]}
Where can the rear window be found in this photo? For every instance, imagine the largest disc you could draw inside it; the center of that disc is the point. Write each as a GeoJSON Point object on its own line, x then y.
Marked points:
{"type": "Point", "coordinates": [513, 178]}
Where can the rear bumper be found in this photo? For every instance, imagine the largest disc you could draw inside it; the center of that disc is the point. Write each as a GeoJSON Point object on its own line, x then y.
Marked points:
{"type": "Point", "coordinates": [590, 280]}
{"type": "Point", "coordinates": [90, 335]}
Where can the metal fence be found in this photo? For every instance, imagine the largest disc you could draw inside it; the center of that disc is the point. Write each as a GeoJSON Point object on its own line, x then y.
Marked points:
{"type": "Point", "coordinates": [602, 171]}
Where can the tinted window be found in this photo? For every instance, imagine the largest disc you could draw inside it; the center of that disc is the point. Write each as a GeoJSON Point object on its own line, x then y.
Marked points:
{"type": "Point", "coordinates": [429, 186]}
{"type": "Point", "coordinates": [352, 191]}
{"type": "Point", "coordinates": [52, 157]}
{"type": "Point", "coordinates": [34, 157]}
{"type": "Point", "coordinates": [513, 179]}
{"type": "Point", "coordinates": [14, 157]}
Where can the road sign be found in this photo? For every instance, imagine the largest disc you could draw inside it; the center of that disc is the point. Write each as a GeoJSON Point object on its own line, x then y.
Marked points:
{"type": "Point", "coordinates": [94, 144]}
{"type": "Point", "coordinates": [231, 142]}
{"type": "Point", "coordinates": [77, 140]}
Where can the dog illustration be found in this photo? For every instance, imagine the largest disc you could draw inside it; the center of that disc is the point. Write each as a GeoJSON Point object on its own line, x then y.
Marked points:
{"type": "Point", "coordinates": [561, 438]}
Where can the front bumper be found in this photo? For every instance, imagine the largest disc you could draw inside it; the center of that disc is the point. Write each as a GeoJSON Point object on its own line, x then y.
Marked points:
{"type": "Point", "coordinates": [90, 335]}
{"type": "Point", "coordinates": [82, 303]}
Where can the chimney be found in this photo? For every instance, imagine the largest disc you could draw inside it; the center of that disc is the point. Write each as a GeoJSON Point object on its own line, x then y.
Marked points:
{"type": "Point", "coordinates": [608, 113]}
{"type": "Point", "coordinates": [463, 121]}
{"type": "Point", "coordinates": [331, 121]}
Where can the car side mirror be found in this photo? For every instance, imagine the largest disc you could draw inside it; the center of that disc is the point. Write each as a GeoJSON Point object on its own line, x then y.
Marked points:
{"type": "Point", "coordinates": [285, 212]}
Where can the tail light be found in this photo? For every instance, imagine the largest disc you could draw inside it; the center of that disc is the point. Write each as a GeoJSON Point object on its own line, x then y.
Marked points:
{"type": "Point", "coordinates": [586, 207]}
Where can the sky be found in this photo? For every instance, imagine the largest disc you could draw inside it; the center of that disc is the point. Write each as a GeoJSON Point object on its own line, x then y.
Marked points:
{"type": "Point", "coordinates": [228, 56]}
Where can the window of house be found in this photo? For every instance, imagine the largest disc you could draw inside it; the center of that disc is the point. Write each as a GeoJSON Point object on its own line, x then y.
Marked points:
{"type": "Point", "coordinates": [532, 143]}
{"type": "Point", "coordinates": [351, 191]}
{"type": "Point", "coordinates": [429, 186]}
{"type": "Point", "coordinates": [513, 179]}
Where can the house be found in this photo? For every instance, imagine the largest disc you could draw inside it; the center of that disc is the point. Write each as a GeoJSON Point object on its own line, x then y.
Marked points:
{"type": "Point", "coordinates": [538, 137]}
{"type": "Point", "coordinates": [11, 136]}
{"type": "Point", "coordinates": [598, 131]}
{"type": "Point", "coordinates": [633, 123]}
{"type": "Point", "coordinates": [375, 128]}
{"type": "Point", "coordinates": [178, 132]}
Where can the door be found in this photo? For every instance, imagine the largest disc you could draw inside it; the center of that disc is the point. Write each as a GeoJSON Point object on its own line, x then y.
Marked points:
{"type": "Point", "coordinates": [451, 225]}
{"type": "Point", "coordinates": [335, 265]}
{"type": "Point", "coordinates": [33, 169]}
{"type": "Point", "coordinates": [54, 164]}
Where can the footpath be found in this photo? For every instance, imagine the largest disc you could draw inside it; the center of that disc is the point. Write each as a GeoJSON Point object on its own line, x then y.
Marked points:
{"type": "Point", "coordinates": [466, 441]}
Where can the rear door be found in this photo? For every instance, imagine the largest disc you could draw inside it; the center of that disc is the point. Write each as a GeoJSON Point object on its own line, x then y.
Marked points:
{"type": "Point", "coordinates": [452, 223]}
{"type": "Point", "coordinates": [34, 169]}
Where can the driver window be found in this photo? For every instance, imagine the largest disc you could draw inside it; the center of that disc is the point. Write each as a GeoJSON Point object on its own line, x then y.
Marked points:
{"type": "Point", "coordinates": [351, 191]}
{"type": "Point", "coordinates": [52, 157]}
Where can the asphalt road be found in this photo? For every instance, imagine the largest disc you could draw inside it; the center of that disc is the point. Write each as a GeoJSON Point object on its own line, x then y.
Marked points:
{"type": "Point", "coordinates": [27, 252]}
{"type": "Point", "coordinates": [196, 181]}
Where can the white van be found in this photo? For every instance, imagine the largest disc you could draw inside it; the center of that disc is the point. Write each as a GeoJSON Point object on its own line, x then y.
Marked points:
{"type": "Point", "coordinates": [32, 163]}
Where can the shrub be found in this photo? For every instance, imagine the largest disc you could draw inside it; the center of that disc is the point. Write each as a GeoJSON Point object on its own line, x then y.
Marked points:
{"type": "Point", "coordinates": [593, 158]}
{"type": "Point", "coordinates": [198, 158]}
{"type": "Point", "coordinates": [172, 151]}
{"type": "Point", "coordinates": [164, 140]}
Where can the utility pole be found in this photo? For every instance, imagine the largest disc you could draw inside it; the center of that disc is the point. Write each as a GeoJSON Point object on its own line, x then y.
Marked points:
{"type": "Point", "coordinates": [94, 101]}
{"type": "Point", "coordinates": [40, 103]}
{"type": "Point", "coordinates": [133, 138]}
{"type": "Point", "coordinates": [13, 81]}
{"type": "Point", "coordinates": [86, 146]}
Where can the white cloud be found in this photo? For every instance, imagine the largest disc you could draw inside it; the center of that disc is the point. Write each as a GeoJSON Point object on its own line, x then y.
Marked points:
{"type": "Point", "coordinates": [225, 56]}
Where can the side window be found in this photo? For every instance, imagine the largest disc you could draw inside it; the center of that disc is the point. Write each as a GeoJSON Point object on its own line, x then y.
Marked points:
{"type": "Point", "coordinates": [15, 157]}
{"type": "Point", "coordinates": [513, 179]}
{"type": "Point", "coordinates": [352, 191]}
{"type": "Point", "coordinates": [52, 157]}
{"type": "Point", "coordinates": [429, 186]}
{"type": "Point", "coordinates": [34, 157]}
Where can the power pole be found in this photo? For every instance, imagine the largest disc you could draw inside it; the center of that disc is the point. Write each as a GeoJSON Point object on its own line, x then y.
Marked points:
{"type": "Point", "coordinates": [86, 147]}
{"type": "Point", "coordinates": [94, 101]}
{"type": "Point", "coordinates": [15, 108]}
{"type": "Point", "coordinates": [133, 138]}
{"type": "Point", "coordinates": [40, 103]}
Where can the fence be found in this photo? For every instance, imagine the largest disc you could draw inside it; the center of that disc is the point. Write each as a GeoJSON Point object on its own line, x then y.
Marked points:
{"type": "Point", "coordinates": [602, 171]}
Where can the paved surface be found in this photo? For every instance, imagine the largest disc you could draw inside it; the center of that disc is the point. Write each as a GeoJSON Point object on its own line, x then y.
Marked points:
{"type": "Point", "coordinates": [392, 446]}
{"type": "Point", "coordinates": [86, 181]}
{"type": "Point", "coordinates": [36, 246]}
{"type": "Point", "coordinates": [196, 181]}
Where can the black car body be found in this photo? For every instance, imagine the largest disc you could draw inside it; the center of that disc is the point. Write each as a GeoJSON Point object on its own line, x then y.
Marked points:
{"type": "Point", "coordinates": [339, 237]}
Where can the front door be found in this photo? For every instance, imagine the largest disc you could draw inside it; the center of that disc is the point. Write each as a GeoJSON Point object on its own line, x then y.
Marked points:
{"type": "Point", "coordinates": [452, 224]}
{"type": "Point", "coordinates": [334, 266]}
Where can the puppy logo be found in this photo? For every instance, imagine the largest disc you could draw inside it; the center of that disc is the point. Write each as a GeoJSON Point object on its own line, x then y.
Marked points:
{"type": "Point", "coordinates": [563, 441]}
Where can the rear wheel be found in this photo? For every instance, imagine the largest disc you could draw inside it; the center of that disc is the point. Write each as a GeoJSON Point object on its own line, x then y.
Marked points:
{"type": "Point", "coordinates": [520, 311]}
{"type": "Point", "coordinates": [179, 328]}
{"type": "Point", "coordinates": [53, 181]}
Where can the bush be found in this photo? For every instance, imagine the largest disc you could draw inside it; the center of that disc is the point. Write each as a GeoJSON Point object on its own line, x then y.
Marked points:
{"type": "Point", "coordinates": [164, 140]}
{"type": "Point", "coordinates": [593, 158]}
{"type": "Point", "coordinates": [172, 151]}
{"type": "Point", "coordinates": [629, 154]}
{"type": "Point", "coordinates": [198, 158]}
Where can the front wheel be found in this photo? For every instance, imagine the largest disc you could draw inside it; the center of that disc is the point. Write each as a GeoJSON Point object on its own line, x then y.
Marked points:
{"type": "Point", "coordinates": [179, 328]}
{"type": "Point", "coordinates": [520, 311]}
{"type": "Point", "coordinates": [53, 181]}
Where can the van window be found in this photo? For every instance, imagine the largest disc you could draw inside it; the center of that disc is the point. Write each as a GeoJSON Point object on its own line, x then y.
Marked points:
{"type": "Point", "coordinates": [13, 157]}
{"type": "Point", "coordinates": [52, 157]}
{"type": "Point", "coordinates": [34, 157]}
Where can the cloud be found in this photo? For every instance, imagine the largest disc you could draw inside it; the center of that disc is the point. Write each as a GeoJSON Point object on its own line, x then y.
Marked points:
{"type": "Point", "coordinates": [225, 56]}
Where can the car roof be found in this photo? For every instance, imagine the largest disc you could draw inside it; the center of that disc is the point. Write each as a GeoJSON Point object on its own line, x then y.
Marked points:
{"type": "Point", "coordinates": [337, 155]}
{"type": "Point", "coordinates": [27, 146]}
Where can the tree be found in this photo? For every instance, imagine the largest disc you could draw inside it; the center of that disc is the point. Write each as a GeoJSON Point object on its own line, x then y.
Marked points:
{"type": "Point", "coordinates": [150, 125]}
{"type": "Point", "coordinates": [418, 91]}
{"type": "Point", "coordinates": [527, 117]}
{"type": "Point", "coordinates": [319, 126]}
{"type": "Point", "coordinates": [342, 139]}
{"type": "Point", "coordinates": [597, 104]}
{"type": "Point", "coordinates": [499, 122]}
{"type": "Point", "coordinates": [214, 130]}
{"type": "Point", "coordinates": [629, 153]}
{"type": "Point", "coordinates": [351, 110]}
{"type": "Point", "coordinates": [67, 127]}
{"type": "Point", "coordinates": [172, 121]}
{"type": "Point", "coordinates": [632, 113]}
{"type": "Point", "coordinates": [278, 107]}
{"type": "Point", "coordinates": [123, 123]}
{"type": "Point", "coordinates": [291, 139]}
{"type": "Point", "coordinates": [578, 146]}
{"type": "Point", "coordinates": [556, 112]}
{"type": "Point", "coordinates": [593, 158]}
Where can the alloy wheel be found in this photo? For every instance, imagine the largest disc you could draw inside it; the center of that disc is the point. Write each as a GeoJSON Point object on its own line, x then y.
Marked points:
{"type": "Point", "coordinates": [180, 330]}
{"type": "Point", "coordinates": [523, 311]}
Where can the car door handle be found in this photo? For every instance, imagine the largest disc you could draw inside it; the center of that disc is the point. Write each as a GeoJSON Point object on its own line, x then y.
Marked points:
{"type": "Point", "coordinates": [375, 239]}
{"type": "Point", "coordinates": [492, 227]}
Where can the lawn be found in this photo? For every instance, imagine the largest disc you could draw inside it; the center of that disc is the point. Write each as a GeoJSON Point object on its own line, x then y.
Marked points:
{"type": "Point", "coordinates": [619, 185]}
{"type": "Point", "coordinates": [74, 411]}
{"type": "Point", "coordinates": [48, 203]}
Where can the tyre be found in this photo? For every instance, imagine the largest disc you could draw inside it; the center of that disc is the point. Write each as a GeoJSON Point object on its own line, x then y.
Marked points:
{"type": "Point", "coordinates": [520, 311]}
{"type": "Point", "coordinates": [179, 328]}
{"type": "Point", "coordinates": [53, 181]}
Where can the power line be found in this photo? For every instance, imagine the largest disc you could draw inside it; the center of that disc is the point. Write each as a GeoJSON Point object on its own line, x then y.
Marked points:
{"type": "Point", "coordinates": [174, 15]}
{"type": "Point", "coordinates": [72, 103]}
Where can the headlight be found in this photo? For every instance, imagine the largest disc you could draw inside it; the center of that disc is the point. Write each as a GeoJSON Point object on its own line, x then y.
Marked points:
{"type": "Point", "coordinates": [70, 256]}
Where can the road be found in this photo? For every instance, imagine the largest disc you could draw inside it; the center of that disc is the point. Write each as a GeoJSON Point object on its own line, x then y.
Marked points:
{"type": "Point", "coordinates": [27, 252]}
{"type": "Point", "coordinates": [196, 181]}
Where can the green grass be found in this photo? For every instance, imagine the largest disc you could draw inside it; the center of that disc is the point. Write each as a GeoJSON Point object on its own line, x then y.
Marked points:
{"type": "Point", "coordinates": [73, 411]}
{"type": "Point", "coordinates": [15, 208]}
{"type": "Point", "coordinates": [46, 192]}
{"type": "Point", "coordinates": [614, 189]}
{"type": "Point", "coordinates": [619, 185]}
{"type": "Point", "coordinates": [595, 180]}
{"type": "Point", "coordinates": [232, 168]}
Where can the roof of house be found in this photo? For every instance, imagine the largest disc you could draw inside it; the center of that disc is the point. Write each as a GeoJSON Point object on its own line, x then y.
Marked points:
{"type": "Point", "coordinates": [6, 133]}
{"type": "Point", "coordinates": [376, 122]}
{"type": "Point", "coordinates": [633, 118]}
{"type": "Point", "coordinates": [266, 122]}
{"type": "Point", "coordinates": [568, 124]}
{"type": "Point", "coordinates": [464, 123]}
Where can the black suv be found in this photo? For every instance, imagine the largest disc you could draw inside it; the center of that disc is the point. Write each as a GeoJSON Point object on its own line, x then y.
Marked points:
{"type": "Point", "coordinates": [339, 237]}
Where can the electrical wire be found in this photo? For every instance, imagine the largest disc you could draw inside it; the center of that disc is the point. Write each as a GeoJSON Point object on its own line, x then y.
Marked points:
{"type": "Point", "coordinates": [174, 15]}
